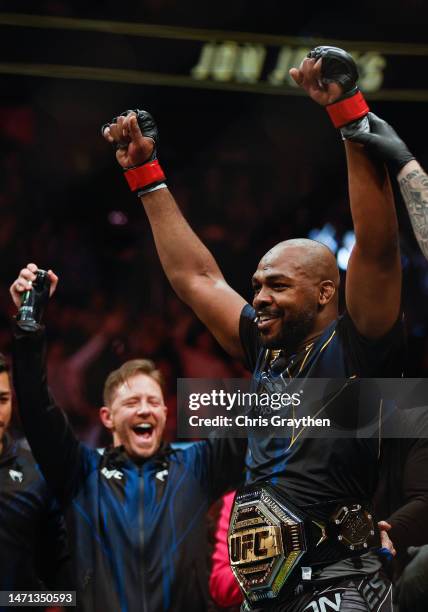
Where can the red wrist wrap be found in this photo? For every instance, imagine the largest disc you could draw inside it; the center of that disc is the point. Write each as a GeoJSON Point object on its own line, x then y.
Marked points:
{"type": "Point", "coordinates": [348, 110]}
{"type": "Point", "coordinates": [144, 175]}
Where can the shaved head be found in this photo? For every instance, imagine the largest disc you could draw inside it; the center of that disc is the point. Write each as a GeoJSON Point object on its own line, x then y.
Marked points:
{"type": "Point", "coordinates": [309, 257]}
{"type": "Point", "coordinates": [295, 287]}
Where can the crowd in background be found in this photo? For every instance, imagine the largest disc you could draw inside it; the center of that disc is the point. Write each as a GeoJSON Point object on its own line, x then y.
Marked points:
{"type": "Point", "coordinates": [247, 170]}
{"type": "Point", "coordinates": [114, 302]}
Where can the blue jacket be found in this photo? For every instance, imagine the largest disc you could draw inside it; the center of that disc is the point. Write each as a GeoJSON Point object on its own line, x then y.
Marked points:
{"type": "Point", "coordinates": [137, 532]}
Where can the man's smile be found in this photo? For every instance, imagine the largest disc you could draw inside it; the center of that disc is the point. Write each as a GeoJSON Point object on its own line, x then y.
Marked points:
{"type": "Point", "coordinates": [265, 319]}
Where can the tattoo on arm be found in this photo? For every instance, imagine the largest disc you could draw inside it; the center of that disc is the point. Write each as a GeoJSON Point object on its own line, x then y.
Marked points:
{"type": "Point", "coordinates": [414, 188]}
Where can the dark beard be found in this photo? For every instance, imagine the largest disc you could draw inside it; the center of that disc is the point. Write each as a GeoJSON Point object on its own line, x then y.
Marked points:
{"type": "Point", "coordinates": [293, 332]}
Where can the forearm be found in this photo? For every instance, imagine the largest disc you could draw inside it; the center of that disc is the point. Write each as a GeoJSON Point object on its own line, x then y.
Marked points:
{"type": "Point", "coordinates": [185, 259]}
{"type": "Point", "coordinates": [413, 183]}
{"type": "Point", "coordinates": [51, 439]}
{"type": "Point", "coordinates": [372, 206]}
{"type": "Point", "coordinates": [409, 525]}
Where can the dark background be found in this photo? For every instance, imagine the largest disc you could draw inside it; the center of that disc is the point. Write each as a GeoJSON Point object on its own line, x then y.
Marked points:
{"type": "Point", "coordinates": [248, 170]}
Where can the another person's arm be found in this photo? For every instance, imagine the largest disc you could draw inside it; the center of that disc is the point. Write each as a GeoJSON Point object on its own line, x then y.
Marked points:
{"type": "Point", "coordinates": [384, 144]}
{"type": "Point", "coordinates": [56, 449]}
{"type": "Point", "coordinates": [413, 183]}
{"type": "Point", "coordinates": [408, 522]}
{"type": "Point", "coordinates": [188, 264]}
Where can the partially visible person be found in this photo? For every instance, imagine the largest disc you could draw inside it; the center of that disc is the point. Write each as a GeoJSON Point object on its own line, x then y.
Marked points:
{"type": "Point", "coordinates": [413, 182]}
{"type": "Point", "coordinates": [67, 372]}
{"type": "Point", "coordinates": [402, 494]}
{"type": "Point", "coordinates": [136, 511]}
{"type": "Point", "coordinates": [403, 490]}
{"type": "Point", "coordinates": [33, 544]}
{"type": "Point", "coordinates": [224, 588]}
{"type": "Point", "coordinates": [384, 143]}
{"type": "Point", "coordinates": [412, 591]}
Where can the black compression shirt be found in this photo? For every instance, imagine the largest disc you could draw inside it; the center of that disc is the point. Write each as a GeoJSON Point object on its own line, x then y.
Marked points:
{"type": "Point", "coordinates": [313, 470]}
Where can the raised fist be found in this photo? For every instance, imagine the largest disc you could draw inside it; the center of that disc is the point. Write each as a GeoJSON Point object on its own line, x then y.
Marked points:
{"type": "Point", "coordinates": [135, 135]}
{"type": "Point", "coordinates": [309, 76]}
{"type": "Point", "coordinates": [337, 66]}
{"type": "Point", "coordinates": [330, 75]}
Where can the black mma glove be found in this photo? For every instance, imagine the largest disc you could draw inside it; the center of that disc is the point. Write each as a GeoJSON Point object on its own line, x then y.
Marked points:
{"type": "Point", "coordinates": [149, 175]}
{"type": "Point", "coordinates": [384, 143]}
{"type": "Point", "coordinates": [351, 108]}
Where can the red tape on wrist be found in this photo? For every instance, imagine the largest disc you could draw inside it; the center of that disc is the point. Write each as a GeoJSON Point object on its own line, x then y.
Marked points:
{"type": "Point", "coordinates": [145, 175]}
{"type": "Point", "coordinates": [348, 110]}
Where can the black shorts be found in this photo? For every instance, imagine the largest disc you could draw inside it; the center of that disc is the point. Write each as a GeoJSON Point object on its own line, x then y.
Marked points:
{"type": "Point", "coordinates": [371, 593]}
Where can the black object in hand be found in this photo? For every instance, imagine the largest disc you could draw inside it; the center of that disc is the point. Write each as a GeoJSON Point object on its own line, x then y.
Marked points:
{"type": "Point", "coordinates": [33, 303]}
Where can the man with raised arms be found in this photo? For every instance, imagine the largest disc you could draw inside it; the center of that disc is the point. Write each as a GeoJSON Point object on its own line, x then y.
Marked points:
{"type": "Point", "coordinates": [293, 329]}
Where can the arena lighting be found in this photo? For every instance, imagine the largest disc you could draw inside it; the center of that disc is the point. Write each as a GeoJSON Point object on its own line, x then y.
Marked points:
{"type": "Point", "coordinates": [326, 235]}
{"type": "Point", "coordinates": [343, 258]}
{"type": "Point", "coordinates": [341, 248]}
{"type": "Point", "coordinates": [344, 253]}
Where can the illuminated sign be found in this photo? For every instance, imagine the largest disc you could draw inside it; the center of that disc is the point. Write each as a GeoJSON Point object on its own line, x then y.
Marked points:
{"type": "Point", "coordinates": [199, 58]}
{"type": "Point", "coordinates": [249, 63]}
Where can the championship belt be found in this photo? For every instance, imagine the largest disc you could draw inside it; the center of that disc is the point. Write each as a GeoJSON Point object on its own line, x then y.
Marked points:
{"type": "Point", "coordinates": [269, 539]}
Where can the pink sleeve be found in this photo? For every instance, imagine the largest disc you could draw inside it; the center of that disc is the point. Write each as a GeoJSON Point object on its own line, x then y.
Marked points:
{"type": "Point", "coordinates": [224, 588]}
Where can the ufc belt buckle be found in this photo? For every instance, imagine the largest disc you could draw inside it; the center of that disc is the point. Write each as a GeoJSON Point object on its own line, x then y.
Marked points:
{"type": "Point", "coordinates": [266, 542]}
